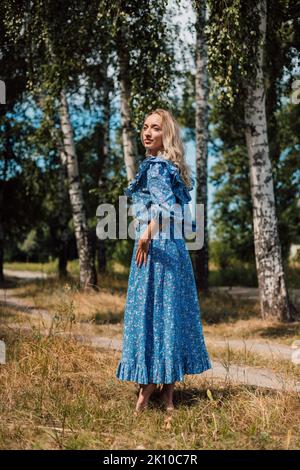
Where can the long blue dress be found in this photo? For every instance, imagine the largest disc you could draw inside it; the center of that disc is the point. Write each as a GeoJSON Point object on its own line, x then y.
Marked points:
{"type": "Point", "coordinates": [162, 333]}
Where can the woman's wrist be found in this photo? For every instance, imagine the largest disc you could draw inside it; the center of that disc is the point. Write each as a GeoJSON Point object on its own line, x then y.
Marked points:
{"type": "Point", "coordinates": [145, 237]}
{"type": "Point", "coordinates": [151, 230]}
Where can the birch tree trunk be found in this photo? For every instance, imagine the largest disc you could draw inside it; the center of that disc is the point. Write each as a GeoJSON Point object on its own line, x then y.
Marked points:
{"type": "Point", "coordinates": [128, 138]}
{"type": "Point", "coordinates": [103, 152]}
{"type": "Point", "coordinates": [201, 124]}
{"type": "Point", "coordinates": [88, 277]}
{"type": "Point", "coordinates": [1, 221]}
{"type": "Point", "coordinates": [63, 218]}
{"type": "Point", "coordinates": [1, 252]}
{"type": "Point", "coordinates": [274, 299]}
{"type": "Point", "coordinates": [8, 151]}
{"type": "Point", "coordinates": [63, 201]}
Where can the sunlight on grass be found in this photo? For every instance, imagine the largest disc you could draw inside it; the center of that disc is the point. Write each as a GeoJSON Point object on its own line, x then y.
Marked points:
{"type": "Point", "coordinates": [51, 267]}
{"type": "Point", "coordinates": [222, 314]}
{"type": "Point", "coordinates": [57, 394]}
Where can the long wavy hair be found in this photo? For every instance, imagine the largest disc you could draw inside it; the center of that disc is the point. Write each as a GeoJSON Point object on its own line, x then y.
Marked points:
{"type": "Point", "coordinates": [173, 149]}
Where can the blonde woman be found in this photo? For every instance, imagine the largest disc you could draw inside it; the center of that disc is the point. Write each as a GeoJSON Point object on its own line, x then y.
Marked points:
{"type": "Point", "coordinates": [162, 335]}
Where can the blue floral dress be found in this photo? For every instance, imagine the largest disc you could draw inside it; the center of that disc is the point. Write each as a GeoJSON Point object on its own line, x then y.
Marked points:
{"type": "Point", "coordinates": [162, 333]}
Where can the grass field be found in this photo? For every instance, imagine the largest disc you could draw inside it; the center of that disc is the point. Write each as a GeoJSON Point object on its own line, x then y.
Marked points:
{"type": "Point", "coordinates": [59, 394]}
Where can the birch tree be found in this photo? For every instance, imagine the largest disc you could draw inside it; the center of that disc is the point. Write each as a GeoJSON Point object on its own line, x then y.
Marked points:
{"type": "Point", "coordinates": [232, 216]}
{"type": "Point", "coordinates": [128, 135]}
{"type": "Point", "coordinates": [56, 53]}
{"type": "Point", "coordinates": [201, 125]}
{"type": "Point", "coordinates": [86, 263]}
{"type": "Point", "coordinates": [271, 279]}
{"type": "Point", "coordinates": [237, 35]}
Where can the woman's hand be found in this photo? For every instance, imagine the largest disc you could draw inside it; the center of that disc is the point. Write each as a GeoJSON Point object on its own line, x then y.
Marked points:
{"type": "Point", "coordinates": [143, 244]}
{"type": "Point", "coordinates": [142, 251]}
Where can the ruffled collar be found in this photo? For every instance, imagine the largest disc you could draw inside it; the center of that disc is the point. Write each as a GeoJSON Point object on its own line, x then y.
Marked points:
{"type": "Point", "coordinates": [178, 186]}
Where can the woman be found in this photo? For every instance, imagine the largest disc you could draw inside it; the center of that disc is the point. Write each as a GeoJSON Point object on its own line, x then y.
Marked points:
{"type": "Point", "coordinates": [162, 337]}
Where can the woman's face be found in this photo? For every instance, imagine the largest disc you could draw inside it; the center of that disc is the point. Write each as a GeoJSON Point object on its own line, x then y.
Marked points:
{"type": "Point", "coordinates": [152, 133]}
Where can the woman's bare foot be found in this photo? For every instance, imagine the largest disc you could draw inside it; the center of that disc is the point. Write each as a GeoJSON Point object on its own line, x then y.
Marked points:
{"type": "Point", "coordinates": [144, 395]}
{"type": "Point", "coordinates": [166, 396]}
{"type": "Point", "coordinates": [167, 401]}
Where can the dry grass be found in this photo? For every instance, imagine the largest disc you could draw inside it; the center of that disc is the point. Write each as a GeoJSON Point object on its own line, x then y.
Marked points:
{"type": "Point", "coordinates": [233, 317]}
{"type": "Point", "coordinates": [256, 328]}
{"type": "Point", "coordinates": [284, 368]}
{"type": "Point", "coordinates": [104, 305]}
{"type": "Point", "coordinates": [51, 267]}
{"type": "Point", "coordinates": [57, 394]}
{"type": "Point", "coordinates": [223, 315]}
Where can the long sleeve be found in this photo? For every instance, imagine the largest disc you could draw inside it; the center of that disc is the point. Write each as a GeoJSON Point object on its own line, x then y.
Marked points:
{"type": "Point", "coordinates": [163, 200]}
{"type": "Point", "coordinates": [158, 192]}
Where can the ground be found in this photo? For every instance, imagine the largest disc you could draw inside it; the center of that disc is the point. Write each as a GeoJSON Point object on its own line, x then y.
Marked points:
{"type": "Point", "coordinates": [59, 389]}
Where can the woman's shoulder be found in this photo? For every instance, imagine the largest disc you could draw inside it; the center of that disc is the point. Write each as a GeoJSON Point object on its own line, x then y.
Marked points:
{"type": "Point", "coordinates": [148, 162]}
{"type": "Point", "coordinates": [166, 168]}
{"type": "Point", "coordinates": [156, 162]}
{"type": "Point", "coordinates": [156, 165]}
{"type": "Point", "coordinates": [159, 165]}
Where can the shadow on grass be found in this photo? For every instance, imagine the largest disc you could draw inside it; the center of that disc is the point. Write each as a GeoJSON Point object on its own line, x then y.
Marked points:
{"type": "Point", "coordinates": [221, 307]}
{"type": "Point", "coordinates": [4, 304]}
{"type": "Point", "coordinates": [189, 397]}
{"type": "Point", "coordinates": [7, 312]}
{"type": "Point", "coordinates": [107, 318]}
{"type": "Point", "coordinates": [10, 282]}
{"type": "Point", "coordinates": [280, 331]}
{"type": "Point", "coordinates": [114, 283]}
{"type": "Point", "coordinates": [35, 286]}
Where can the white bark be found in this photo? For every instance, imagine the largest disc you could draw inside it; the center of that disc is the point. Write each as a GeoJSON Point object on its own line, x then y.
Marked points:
{"type": "Point", "coordinates": [87, 269]}
{"type": "Point", "coordinates": [62, 197]}
{"type": "Point", "coordinates": [271, 279]}
{"type": "Point", "coordinates": [128, 139]}
{"type": "Point", "coordinates": [201, 124]}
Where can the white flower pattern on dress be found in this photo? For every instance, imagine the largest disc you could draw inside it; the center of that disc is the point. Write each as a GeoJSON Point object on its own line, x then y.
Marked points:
{"type": "Point", "coordinates": [162, 332]}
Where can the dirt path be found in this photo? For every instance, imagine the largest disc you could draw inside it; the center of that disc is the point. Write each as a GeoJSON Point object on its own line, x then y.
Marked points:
{"type": "Point", "coordinates": [260, 377]}
{"type": "Point", "coordinates": [265, 348]}
{"type": "Point", "coordinates": [236, 291]}
{"type": "Point", "coordinates": [27, 274]}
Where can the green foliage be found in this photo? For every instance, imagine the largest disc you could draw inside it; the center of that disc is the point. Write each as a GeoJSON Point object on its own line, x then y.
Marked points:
{"type": "Point", "coordinates": [232, 42]}
{"type": "Point", "coordinates": [229, 270]}
{"type": "Point", "coordinates": [123, 252]}
{"type": "Point", "coordinates": [149, 55]}
{"type": "Point", "coordinates": [230, 173]}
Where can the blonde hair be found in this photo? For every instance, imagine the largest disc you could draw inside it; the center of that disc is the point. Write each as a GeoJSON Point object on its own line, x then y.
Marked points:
{"type": "Point", "coordinates": [173, 149]}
